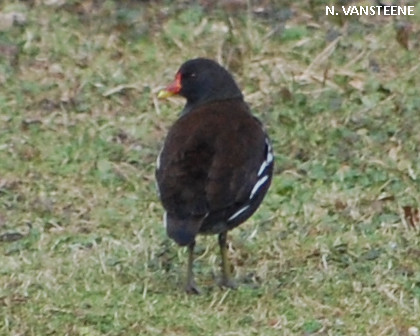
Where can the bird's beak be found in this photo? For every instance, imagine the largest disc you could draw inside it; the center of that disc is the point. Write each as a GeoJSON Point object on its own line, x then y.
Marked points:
{"type": "Point", "coordinates": [172, 89]}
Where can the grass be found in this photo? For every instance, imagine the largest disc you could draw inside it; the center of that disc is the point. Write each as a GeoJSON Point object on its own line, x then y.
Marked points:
{"type": "Point", "coordinates": [334, 249]}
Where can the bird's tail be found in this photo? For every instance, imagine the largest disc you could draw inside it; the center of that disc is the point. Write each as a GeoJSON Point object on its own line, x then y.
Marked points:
{"type": "Point", "coordinates": [182, 230]}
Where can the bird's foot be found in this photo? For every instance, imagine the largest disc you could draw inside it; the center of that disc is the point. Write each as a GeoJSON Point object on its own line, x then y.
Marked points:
{"type": "Point", "coordinates": [192, 288]}
{"type": "Point", "coordinates": [227, 283]}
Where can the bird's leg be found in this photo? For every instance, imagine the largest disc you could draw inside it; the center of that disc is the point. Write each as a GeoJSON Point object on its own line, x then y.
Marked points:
{"type": "Point", "coordinates": [226, 280]}
{"type": "Point", "coordinates": [190, 286]}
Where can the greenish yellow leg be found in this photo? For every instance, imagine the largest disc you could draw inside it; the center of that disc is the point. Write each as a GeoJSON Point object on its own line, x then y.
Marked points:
{"type": "Point", "coordinates": [226, 280]}
{"type": "Point", "coordinates": [190, 286]}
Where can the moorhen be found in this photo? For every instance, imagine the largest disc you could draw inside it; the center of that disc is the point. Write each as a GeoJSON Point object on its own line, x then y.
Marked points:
{"type": "Point", "coordinates": [216, 163]}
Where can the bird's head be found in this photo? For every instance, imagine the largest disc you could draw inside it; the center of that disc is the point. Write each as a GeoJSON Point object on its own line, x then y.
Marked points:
{"type": "Point", "coordinates": [200, 81]}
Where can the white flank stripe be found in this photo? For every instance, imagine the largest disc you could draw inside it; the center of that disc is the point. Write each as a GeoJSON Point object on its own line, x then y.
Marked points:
{"type": "Point", "coordinates": [259, 183]}
{"type": "Point", "coordinates": [268, 159]}
{"type": "Point", "coordinates": [262, 168]}
{"type": "Point", "coordinates": [237, 213]}
{"type": "Point", "coordinates": [268, 144]}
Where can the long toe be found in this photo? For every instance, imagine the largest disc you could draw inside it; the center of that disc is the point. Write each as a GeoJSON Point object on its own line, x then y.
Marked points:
{"type": "Point", "coordinates": [228, 283]}
{"type": "Point", "coordinates": [192, 288]}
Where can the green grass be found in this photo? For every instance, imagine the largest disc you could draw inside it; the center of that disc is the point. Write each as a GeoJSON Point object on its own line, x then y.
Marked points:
{"type": "Point", "coordinates": [332, 250]}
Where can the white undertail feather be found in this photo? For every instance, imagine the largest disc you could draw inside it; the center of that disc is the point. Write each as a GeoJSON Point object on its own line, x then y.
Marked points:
{"type": "Point", "coordinates": [165, 220]}
{"type": "Point", "coordinates": [158, 159]}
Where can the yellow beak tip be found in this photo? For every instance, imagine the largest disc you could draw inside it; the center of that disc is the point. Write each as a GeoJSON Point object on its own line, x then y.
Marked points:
{"type": "Point", "coordinates": [164, 94]}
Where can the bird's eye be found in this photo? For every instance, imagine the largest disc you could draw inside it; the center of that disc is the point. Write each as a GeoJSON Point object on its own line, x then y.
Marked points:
{"type": "Point", "coordinates": [190, 75]}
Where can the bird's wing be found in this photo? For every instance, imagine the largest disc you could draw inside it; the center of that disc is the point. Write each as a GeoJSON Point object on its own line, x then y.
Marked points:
{"type": "Point", "coordinates": [212, 165]}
